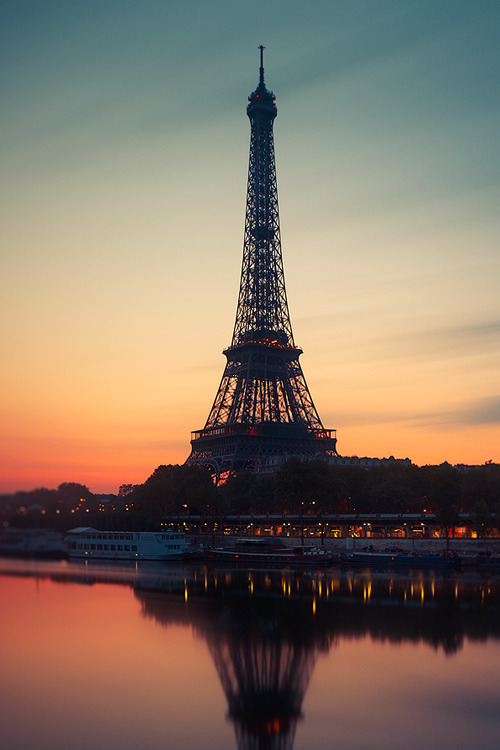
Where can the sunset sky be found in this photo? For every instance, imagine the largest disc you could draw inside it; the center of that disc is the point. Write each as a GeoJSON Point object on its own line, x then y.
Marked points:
{"type": "Point", "coordinates": [124, 155]}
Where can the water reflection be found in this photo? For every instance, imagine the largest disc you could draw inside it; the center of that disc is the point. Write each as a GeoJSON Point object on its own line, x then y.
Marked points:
{"type": "Point", "coordinates": [315, 608]}
{"type": "Point", "coordinates": [265, 629]}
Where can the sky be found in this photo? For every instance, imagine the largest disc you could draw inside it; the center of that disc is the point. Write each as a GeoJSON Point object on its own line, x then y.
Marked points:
{"type": "Point", "coordinates": [124, 154]}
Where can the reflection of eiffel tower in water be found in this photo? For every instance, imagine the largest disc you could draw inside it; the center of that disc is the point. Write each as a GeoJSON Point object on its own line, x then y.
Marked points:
{"type": "Point", "coordinates": [264, 639]}
{"type": "Point", "coordinates": [264, 646]}
{"type": "Point", "coordinates": [265, 679]}
{"type": "Point", "coordinates": [265, 629]}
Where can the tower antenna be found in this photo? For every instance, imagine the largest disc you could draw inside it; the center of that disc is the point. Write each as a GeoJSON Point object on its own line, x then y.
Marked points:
{"type": "Point", "coordinates": [261, 70]}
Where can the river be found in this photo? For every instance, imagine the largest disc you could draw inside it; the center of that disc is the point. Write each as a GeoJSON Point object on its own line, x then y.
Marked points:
{"type": "Point", "coordinates": [184, 656]}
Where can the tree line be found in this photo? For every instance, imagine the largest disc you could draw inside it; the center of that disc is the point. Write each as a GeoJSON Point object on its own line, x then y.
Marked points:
{"type": "Point", "coordinates": [301, 487]}
{"type": "Point", "coordinates": [297, 487]}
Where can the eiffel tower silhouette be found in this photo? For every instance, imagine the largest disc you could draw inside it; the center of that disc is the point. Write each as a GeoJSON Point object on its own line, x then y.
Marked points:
{"type": "Point", "coordinates": [263, 412]}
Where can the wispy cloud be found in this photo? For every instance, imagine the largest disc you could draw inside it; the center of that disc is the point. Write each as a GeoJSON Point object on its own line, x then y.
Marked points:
{"type": "Point", "coordinates": [473, 412]}
{"type": "Point", "coordinates": [476, 412]}
{"type": "Point", "coordinates": [442, 342]}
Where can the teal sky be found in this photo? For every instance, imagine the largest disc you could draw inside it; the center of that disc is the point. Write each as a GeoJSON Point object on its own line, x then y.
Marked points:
{"type": "Point", "coordinates": [124, 153]}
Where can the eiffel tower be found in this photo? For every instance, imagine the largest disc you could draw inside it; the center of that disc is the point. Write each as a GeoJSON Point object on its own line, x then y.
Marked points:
{"type": "Point", "coordinates": [263, 412]}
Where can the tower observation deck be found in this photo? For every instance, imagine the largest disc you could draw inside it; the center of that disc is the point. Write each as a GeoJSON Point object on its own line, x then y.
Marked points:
{"type": "Point", "coordinates": [263, 412]}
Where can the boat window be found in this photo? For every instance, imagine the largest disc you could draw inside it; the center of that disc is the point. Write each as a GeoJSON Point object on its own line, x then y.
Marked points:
{"type": "Point", "coordinates": [134, 548]}
{"type": "Point", "coordinates": [99, 546]}
{"type": "Point", "coordinates": [120, 548]}
{"type": "Point", "coordinates": [127, 548]}
{"type": "Point", "coordinates": [113, 547]}
{"type": "Point", "coordinates": [106, 546]}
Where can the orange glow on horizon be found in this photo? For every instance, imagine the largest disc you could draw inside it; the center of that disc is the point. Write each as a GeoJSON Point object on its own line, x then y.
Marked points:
{"type": "Point", "coordinates": [104, 466]}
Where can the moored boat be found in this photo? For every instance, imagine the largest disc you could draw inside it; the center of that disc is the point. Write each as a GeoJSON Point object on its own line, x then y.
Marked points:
{"type": "Point", "coordinates": [32, 543]}
{"type": "Point", "coordinates": [270, 552]}
{"type": "Point", "coordinates": [481, 560]}
{"type": "Point", "coordinates": [85, 542]}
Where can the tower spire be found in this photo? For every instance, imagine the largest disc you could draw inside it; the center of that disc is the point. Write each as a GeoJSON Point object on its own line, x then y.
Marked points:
{"type": "Point", "coordinates": [263, 412]}
{"type": "Point", "coordinates": [261, 69]}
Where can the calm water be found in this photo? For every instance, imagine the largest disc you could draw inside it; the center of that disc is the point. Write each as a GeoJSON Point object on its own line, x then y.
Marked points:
{"type": "Point", "coordinates": [149, 658]}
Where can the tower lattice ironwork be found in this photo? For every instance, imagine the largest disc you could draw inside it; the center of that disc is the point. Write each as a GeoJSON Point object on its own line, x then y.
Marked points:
{"type": "Point", "coordinates": [263, 412]}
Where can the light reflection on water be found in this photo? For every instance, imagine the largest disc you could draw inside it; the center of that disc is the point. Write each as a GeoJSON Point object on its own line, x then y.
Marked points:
{"type": "Point", "coordinates": [186, 656]}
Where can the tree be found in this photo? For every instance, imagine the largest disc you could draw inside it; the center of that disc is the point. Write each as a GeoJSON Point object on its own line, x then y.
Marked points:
{"type": "Point", "coordinates": [497, 515]}
{"type": "Point", "coordinates": [293, 486]}
{"type": "Point", "coordinates": [262, 495]}
{"type": "Point", "coordinates": [443, 485]}
{"type": "Point", "coordinates": [394, 488]}
{"type": "Point", "coordinates": [349, 488]}
{"type": "Point", "coordinates": [71, 495]}
{"type": "Point", "coordinates": [237, 493]}
{"type": "Point", "coordinates": [481, 514]}
{"type": "Point", "coordinates": [175, 490]}
{"type": "Point", "coordinates": [480, 483]}
{"type": "Point", "coordinates": [127, 489]}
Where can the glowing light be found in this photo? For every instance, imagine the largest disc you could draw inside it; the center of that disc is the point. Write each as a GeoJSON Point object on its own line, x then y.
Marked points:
{"type": "Point", "coordinates": [367, 591]}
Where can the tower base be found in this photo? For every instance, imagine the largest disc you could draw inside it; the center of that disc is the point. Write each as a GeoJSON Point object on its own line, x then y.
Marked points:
{"type": "Point", "coordinates": [261, 448]}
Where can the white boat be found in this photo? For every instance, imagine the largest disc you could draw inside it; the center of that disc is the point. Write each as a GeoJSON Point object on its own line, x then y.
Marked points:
{"type": "Point", "coordinates": [89, 543]}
